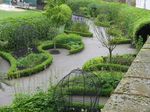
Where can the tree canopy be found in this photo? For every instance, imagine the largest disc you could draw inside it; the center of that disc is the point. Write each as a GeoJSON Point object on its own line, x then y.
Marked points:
{"type": "Point", "coordinates": [58, 13]}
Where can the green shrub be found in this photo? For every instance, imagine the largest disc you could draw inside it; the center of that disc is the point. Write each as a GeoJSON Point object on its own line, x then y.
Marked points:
{"type": "Point", "coordinates": [89, 34]}
{"type": "Point", "coordinates": [128, 19]}
{"type": "Point", "coordinates": [126, 59]}
{"type": "Point", "coordinates": [21, 31]}
{"type": "Point", "coordinates": [37, 68]}
{"type": "Point", "coordinates": [93, 61]}
{"type": "Point", "coordinates": [107, 66]}
{"type": "Point", "coordinates": [81, 29]}
{"type": "Point", "coordinates": [107, 82]}
{"type": "Point", "coordinates": [139, 43]}
{"type": "Point", "coordinates": [102, 20]}
{"type": "Point", "coordinates": [121, 40]}
{"type": "Point", "coordinates": [38, 102]}
{"type": "Point", "coordinates": [72, 42]}
{"type": "Point", "coordinates": [76, 6]}
{"type": "Point", "coordinates": [113, 31]}
{"type": "Point", "coordinates": [31, 60]}
{"type": "Point", "coordinates": [103, 24]}
{"type": "Point", "coordinates": [11, 60]}
{"type": "Point", "coordinates": [6, 109]}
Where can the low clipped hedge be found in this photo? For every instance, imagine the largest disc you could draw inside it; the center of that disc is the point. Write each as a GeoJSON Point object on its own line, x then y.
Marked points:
{"type": "Point", "coordinates": [12, 61]}
{"type": "Point", "coordinates": [14, 73]}
{"type": "Point", "coordinates": [107, 66]}
{"type": "Point", "coordinates": [121, 41]}
{"type": "Point", "coordinates": [50, 45]}
{"type": "Point", "coordinates": [92, 62]}
{"type": "Point", "coordinates": [89, 34]}
{"type": "Point", "coordinates": [78, 91]}
{"type": "Point", "coordinates": [71, 49]}
{"type": "Point", "coordinates": [119, 62]}
{"type": "Point", "coordinates": [72, 42]}
{"type": "Point", "coordinates": [125, 59]}
{"type": "Point", "coordinates": [36, 69]}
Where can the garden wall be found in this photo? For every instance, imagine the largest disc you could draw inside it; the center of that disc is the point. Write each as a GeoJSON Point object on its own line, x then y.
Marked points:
{"type": "Point", "coordinates": [133, 92]}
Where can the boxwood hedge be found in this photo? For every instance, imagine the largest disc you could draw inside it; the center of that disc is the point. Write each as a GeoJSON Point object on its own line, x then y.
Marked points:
{"type": "Point", "coordinates": [14, 73]}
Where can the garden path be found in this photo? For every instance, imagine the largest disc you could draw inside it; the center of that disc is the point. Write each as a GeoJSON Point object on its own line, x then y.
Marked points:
{"type": "Point", "coordinates": [4, 65]}
{"type": "Point", "coordinates": [62, 65]}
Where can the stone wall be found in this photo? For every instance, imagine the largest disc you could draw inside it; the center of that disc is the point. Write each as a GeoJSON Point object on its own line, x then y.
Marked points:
{"type": "Point", "coordinates": [133, 92]}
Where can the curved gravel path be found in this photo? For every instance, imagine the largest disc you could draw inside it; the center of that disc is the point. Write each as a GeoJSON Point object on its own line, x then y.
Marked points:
{"type": "Point", "coordinates": [62, 65]}
{"type": "Point", "coordinates": [4, 65]}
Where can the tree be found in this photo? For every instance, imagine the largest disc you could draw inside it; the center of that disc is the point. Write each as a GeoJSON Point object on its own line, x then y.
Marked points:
{"type": "Point", "coordinates": [59, 14]}
{"type": "Point", "coordinates": [106, 41]}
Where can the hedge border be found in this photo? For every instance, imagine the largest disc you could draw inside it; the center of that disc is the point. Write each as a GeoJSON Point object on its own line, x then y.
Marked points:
{"type": "Point", "coordinates": [37, 68]}
{"type": "Point", "coordinates": [12, 61]}
{"type": "Point", "coordinates": [107, 66]}
{"type": "Point", "coordinates": [123, 41]}
{"type": "Point", "coordinates": [12, 73]}
{"type": "Point", "coordinates": [89, 34]}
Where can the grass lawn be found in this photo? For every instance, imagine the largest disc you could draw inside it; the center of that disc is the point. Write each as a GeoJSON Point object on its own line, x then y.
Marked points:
{"type": "Point", "coordinates": [8, 14]}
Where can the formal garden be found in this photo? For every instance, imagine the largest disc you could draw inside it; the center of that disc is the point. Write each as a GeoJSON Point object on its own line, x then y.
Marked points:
{"type": "Point", "coordinates": [30, 39]}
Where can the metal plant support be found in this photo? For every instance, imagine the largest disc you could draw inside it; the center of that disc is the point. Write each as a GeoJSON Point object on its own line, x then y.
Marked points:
{"type": "Point", "coordinates": [78, 87]}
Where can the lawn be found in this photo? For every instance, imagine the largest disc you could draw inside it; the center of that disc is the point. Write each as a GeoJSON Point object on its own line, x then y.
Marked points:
{"type": "Point", "coordinates": [8, 14]}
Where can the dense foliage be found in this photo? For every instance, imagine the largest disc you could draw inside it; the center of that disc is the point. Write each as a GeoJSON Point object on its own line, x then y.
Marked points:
{"type": "Point", "coordinates": [72, 42]}
{"type": "Point", "coordinates": [30, 60]}
{"type": "Point", "coordinates": [80, 28]}
{"type": "Point", "coordinates": [58, 14]}
{"type": "Point", "coordinates": [23, 31]}
{"type": "Point", "coordinates": [110, 74]}
{"type": "Point", "coordinates": [126, 18]}
{"type": "Point", "coordinates": [107, 83]}
{"type": "Point", "coordinates": [119, 63]}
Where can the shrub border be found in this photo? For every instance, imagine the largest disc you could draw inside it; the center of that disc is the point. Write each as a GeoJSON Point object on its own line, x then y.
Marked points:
{"type": "Point", "coordinates": [12, 61]}
{"type": "Point", "coordinates": [108, 66]}
{"type": "Point", "coordinates": [12, 73]}
{"type": "Point", "coordinates": [37, 68]}
{"type": "Point", "coordinates": [89, 34]}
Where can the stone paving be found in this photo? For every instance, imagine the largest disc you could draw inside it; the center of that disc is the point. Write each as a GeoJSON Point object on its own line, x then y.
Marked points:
{"type": "Point", "coordinates": [7, 7]}
{"type": "Point", "coordinates": [133, 92]}
{"type": "Point", "coordinates": [62, 65]}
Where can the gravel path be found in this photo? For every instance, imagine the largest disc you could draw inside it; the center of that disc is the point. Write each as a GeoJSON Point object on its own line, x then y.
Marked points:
{"type": "Point", "coordinates": [4, 65]}
{"type": "Point", "coordinates": [62, 65]}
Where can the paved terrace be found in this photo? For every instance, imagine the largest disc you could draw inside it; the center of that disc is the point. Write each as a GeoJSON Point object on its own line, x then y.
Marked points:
{"type": "Point", "coordinates": [133, 92]}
